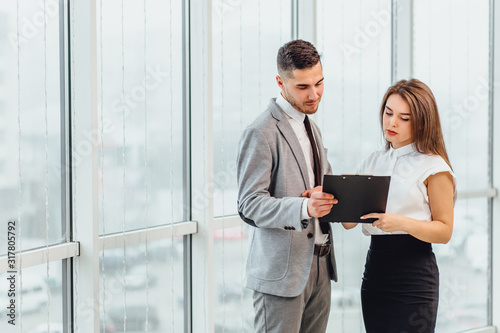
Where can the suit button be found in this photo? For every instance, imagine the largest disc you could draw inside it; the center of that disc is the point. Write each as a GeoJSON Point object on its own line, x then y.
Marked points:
{"type": "Point", "coordinates": [286, 228]}
{"type": "Point", "coordinates": [292, 228]}
{"type": "Point", "coordinates": [310, 235]}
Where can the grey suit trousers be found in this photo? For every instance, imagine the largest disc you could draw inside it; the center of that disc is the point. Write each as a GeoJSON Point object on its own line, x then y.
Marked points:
{"type": "Point", "coordinates": [305, 313]}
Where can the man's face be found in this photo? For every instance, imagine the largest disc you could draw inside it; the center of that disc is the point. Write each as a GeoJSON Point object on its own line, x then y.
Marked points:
{"type": "Point", "coordinates": [303, 90]}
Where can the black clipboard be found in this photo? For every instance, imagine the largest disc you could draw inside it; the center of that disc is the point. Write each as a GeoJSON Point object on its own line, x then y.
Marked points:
{"type": "Point", "coordinates": [357, 195]}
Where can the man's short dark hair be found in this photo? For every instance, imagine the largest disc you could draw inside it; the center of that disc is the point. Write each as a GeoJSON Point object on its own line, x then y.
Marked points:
{"type": "Point", "coordinates": [297, 54]}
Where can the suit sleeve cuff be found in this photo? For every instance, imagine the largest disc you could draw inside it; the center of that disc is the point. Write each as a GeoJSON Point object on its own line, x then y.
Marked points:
{"type": "Point", "coordinates": [304, 216]}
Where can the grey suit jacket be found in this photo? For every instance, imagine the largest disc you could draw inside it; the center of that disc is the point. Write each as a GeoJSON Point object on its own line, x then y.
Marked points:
{"type": "Point", "coordinates": [272, 175]}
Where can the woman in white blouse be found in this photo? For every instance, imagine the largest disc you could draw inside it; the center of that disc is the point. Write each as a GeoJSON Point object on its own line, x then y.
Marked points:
{"type": "Point", "coordinates": [401, 280]}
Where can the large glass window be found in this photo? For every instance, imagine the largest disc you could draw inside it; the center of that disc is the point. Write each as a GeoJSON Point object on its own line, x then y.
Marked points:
{"type": "Point", "coordinates": [39, 300]}
{"type": "Point", "coordinates": [246, 39]}
{"type": "Point", "coordinates": [30, 120]}
{"type": "Point", "coordinates": [233, 302]}
{"type": "Point", "coordinates": [141, 114]}
{"type": "Point", "coordinates": [451, 54]}
{"type": "Point", "coordinates": [146, 288]}
{"type": "Point", "coordinates": [142, 162]}
{"type": "Point", "coordinates": [31, 162]}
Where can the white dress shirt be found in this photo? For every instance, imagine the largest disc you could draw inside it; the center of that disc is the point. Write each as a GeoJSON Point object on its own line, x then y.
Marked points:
{"type": "Point", "coordinates": [296, 120]}
{"type": "Point", "coordinates": [407, 192]}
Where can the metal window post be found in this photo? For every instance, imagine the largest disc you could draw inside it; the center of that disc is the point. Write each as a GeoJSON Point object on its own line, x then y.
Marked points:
{"type": "Point", "coordinates": [495, 161]}
{"type": "Point", "coordinates": [202, 162]}
{"type": "Point", "coordinates": [85, 190]}
{"type": "Point", "coordinates": [186, 63]}
{"type": "Point", "coordinates": [304, 20]}
{"type": "Point", "coordinates": [402, 39]}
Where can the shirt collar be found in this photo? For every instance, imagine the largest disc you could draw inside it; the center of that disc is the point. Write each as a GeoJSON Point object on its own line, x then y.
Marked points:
{"type": "Point", "coordinates": [289, 109]}
{"type": "Point", "coordinates": [409, 148]}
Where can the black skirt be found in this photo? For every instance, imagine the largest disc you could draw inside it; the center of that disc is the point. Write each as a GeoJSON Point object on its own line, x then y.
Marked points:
{"type": "Point", "coordinates": [400, 288]}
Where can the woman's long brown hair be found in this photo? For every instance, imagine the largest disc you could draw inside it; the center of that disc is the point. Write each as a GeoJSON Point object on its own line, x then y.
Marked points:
{"type": "Point", "coordinates": [426, 130]}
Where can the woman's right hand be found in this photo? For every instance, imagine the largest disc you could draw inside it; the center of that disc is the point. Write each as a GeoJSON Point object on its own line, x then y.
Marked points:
{"type": "Point", "coordinates": [349, 225]}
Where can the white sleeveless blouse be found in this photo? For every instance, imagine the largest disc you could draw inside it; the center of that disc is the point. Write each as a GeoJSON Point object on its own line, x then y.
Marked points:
{"type": "Point", "coordinates": [407, 192]}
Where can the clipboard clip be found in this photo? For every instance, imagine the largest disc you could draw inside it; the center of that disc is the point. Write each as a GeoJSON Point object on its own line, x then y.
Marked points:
{"type": "Point", "coordinates": [344, 175]}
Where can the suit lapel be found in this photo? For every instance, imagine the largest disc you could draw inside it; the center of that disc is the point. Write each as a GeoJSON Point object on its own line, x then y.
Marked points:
{"type": "Point", "coordinates": [287, 131]}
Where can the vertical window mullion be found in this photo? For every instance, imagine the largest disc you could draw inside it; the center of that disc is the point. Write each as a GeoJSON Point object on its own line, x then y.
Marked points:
{"type": "Point", "coordinates": [186, 142]}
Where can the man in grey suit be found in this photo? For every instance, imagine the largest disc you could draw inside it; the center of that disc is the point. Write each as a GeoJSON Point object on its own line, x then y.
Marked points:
{"type": "Point", "coordinates": [281, 162]}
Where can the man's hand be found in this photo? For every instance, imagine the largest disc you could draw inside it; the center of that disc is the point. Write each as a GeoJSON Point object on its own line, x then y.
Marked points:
{"type": "Point", "coordinates": [307, 193]}
{"type": "Point", "coordinates": [320, 203]}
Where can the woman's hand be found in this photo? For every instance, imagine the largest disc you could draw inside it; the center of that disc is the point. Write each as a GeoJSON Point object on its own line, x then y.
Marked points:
{"type": "Point", "coordinates": [387, 222]}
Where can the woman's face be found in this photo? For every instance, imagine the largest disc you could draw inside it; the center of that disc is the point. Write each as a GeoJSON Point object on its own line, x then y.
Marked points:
{"type": "Point", "coordinates": [397, 121]}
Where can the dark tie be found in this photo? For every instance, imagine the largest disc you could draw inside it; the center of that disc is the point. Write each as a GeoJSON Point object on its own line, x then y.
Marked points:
{"type": "Point", "coordinates": [317, 165]}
